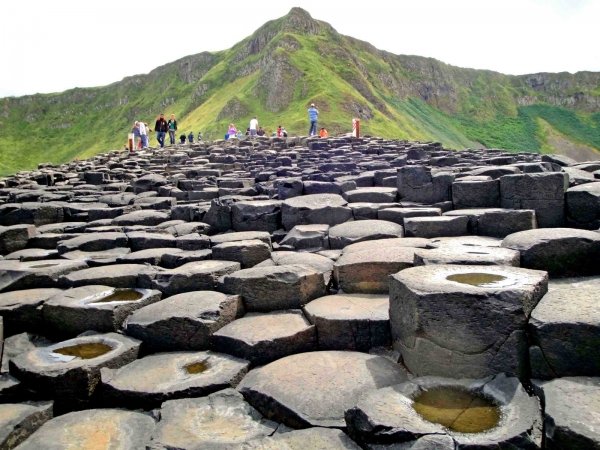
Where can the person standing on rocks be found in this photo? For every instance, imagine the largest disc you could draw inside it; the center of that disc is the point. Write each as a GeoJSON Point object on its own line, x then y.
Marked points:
{"type": "Point", "coordinates": [161, 127]}
{"type": "Point", "coordinates": [136, 135]}
{"type": "Point", "coordinates": [172, 123]}
{"type": "Point", "coordinates": [144, 135]}
{"type": "Point", "coordinates": [253, 126]}
{"type": "Point", "coordinates": [313, 116]}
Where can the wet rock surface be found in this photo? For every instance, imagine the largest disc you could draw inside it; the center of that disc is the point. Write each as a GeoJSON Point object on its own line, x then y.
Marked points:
{"type": "Point", "coordinates": [498, 408]}
{"type": "Point", "coordinates": [270, 249]}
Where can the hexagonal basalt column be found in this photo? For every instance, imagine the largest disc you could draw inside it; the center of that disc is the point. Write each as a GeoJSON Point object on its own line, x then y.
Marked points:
{"type": "Point", "coordinates": [350, 321]}
{"type": "Point", "coordinates": [330, 209]}
{"type": "Point", "coordinates": [463, 321]}
{"type": "Point", "coordinates": [315, 388]}
{"type": "Point", "coordinates": [565, 330]}
{"type": "Point", "coordinates": [126, 430]}
{"type": "Point", "coordinates": [221, 419]}
{"type": "Point", "coordinates": [471, 414]}
{"type": "Point", "coordinates": [149, 381]}
{"type": "Point", "coordinates": [70, 370]}
{"type": "Point", "coordinates": [571, 412]}
{"type": "Point", "coordinates": [94, 307]}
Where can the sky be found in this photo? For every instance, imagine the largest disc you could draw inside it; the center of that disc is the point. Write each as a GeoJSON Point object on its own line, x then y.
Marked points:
{"type": "Point", "coordinates": [54, 45]}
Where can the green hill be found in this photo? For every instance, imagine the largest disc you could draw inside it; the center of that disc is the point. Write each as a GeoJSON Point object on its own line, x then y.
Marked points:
{"type": "Point", "coordinates": [292, 61]}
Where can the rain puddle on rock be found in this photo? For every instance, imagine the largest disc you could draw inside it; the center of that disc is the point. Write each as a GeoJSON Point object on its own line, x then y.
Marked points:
{"type": "Point", "coordinates": [197, 367]}
{"type": "Point", "coordinates": [121, 295]}
{"type": "Point", "coordinates": [85, 351]}
{"type": "Point", "coordinates": [476, 278]}
{"type": "Point", "coordinates": [457, 409]}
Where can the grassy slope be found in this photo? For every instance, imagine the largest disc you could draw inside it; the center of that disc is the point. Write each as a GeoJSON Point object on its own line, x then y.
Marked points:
{"type": "Point", "coordinates": [399, 96]}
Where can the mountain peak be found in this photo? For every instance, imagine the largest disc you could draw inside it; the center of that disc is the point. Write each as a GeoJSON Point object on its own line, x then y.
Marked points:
{"type": "Point", "coordinates": [300, 21]}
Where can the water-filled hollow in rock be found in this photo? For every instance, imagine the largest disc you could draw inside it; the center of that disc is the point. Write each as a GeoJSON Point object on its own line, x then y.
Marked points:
{"type": "Point", "coordinates": [457, 409]}
{"type": "Point", "coordinates": [479, 279]}
{"type": "Point", "coordinates": [121, 295]}
{"type": "Point", "coordinates": [197, 367]}
{"type": "Point", "coordinates": [88, 350]}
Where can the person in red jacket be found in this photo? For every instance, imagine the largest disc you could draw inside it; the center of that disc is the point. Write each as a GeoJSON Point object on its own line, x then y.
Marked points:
{"type": "Point", "coordinates": [323, 133]}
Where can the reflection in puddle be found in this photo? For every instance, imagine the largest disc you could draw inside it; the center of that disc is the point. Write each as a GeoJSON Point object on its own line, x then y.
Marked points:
{"type": "Point", "coordinates": [85, 351]}
{"type": "Point", "coordinates": [457, 409]}
{"type": "Point", "coordinates": [476, 278]}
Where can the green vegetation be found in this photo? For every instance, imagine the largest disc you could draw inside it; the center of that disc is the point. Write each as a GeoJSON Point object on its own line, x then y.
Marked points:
{"type": "Point", "coordinates": [293, 61]}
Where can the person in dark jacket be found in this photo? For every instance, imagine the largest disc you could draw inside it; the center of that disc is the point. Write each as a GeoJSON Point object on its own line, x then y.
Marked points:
{"type": "Point", "coordinates": [161, 127]}
{"type": "Point", "coordinates": [182, 139]}
{"type": "Point", "coordinates": [191, 138]}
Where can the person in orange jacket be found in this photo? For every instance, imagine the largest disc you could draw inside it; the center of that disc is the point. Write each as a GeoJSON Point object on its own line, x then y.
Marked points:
{"type": "Point", "coordinates": [323, 133]}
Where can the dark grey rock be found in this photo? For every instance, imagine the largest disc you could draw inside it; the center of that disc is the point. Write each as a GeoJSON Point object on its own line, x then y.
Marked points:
{"type": "Point", "coordinates": [184, 321]}
{"type": "Point", "coordinates": [351, 321]}
{"type": "Point", "coordinates": [463, 321]}
{"type": "Point", "coordinates": [86, 429]}
{"type": "Point", "coordinates": [570, 406]}
{"type": "Point", "coordinates": [273, 288]}
{"type": "Point", "coordinates": [218, 420]}
{"type": "Point", "coordinates": [20, 420]}
{"type": "Point", "coordinates": [93, 307]}
{"type": "Point", "coordinates": [315, 388]}
{"type": "Point", "coordinates": [559, 251]}
{"type": "Point", "coordinates": [565, 331]}
{"type": "Point", "coordinates": [149, 381]}
{"type": "Point", "coordinates": [262, 338]}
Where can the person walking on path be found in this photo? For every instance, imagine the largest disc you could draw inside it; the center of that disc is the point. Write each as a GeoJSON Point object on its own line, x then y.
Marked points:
{"type": "Point", "coordinates": [313, 116]}
{"type": "Point", "coordinates": [253, 126]}
{"type": "Point", "coordinates": [172, 123]}
{"type": "Point", "coordinates": [161, 127]}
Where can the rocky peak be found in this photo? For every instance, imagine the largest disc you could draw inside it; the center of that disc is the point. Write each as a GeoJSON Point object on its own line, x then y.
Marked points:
{"type": "Point", "coordinates": [300, 21]}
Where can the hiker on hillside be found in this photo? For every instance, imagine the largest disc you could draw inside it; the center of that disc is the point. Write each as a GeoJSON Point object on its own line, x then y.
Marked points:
{"type": "Point", "coordinates": [279, 133]}
{"type": "Point", "coordinates": [253, 126]}
{"type": "Point", "coordinates": [260, 131]}
{"type": "Point", "coordinates": [172, 123]}
{"type": "Point", "coordinates": [191, 137]}
{"type": "Point", "coordinates": [323, 133]}
{"type": "Point", "coordinates": [161, 127]}
{"type": "Point", "coordinates": [313, 115]}
{"type": "Point", "coordinates": [182, 139]}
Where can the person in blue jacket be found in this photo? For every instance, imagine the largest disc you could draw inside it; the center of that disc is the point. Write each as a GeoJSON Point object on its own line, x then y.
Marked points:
{"type": "Point", "coordinates": [313, 116]}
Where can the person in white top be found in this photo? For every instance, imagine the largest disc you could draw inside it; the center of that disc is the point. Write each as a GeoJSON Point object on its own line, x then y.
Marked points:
{"type": "Point", "coordinates": [253, 126]}
{"type": "Point", "coordinates": [143, 134]}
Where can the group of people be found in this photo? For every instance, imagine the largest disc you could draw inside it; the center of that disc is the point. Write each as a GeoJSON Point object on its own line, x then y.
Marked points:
{"type": "Point", "coordinates": [255, 130]}
{"type": "Point", "coordinates": [162, 127]}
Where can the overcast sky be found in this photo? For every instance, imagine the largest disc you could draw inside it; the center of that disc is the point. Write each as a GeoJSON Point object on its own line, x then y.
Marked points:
{"type": "Point", "coordinates": [54, 45]}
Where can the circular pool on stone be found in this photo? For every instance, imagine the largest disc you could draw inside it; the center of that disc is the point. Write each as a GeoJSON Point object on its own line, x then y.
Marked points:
{"type": "Point", "coordinates": [149, 381]}
{"type": "Point", "coordinates": [463, 321]}
{"type": "Point", "coordinates": [72, 368]}
{"type": "Point", "coordinates": [486, 413]}
{"type": "Point", "coordinates": [94, 307]}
